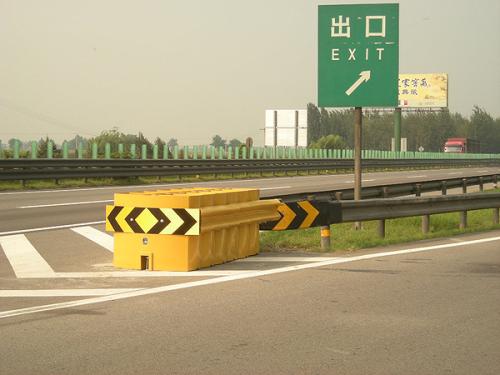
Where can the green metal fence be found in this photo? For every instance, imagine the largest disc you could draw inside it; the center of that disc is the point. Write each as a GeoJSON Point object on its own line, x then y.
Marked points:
{"type": "Point", "coordinates": [204, 152]}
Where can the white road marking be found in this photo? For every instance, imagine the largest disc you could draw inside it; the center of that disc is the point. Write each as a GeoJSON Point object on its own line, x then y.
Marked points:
{"type": "Point", "coordinates": [241, 276]}
{"type": "Point", "coordinates": [274, 188]}
{"type": "Point", "coordinates": [119, 274]}
{"type": "Point", "coordinates": [352, 181]}
{"type": "Point", "coordinates": [94, 235]}
{"type": "Point", "coordinates": [282, 259]}
{"type": "Point", "coordinates": [454, 172]}
{"type": "Point", "coordinates": [416, 176]}
{"type": "Point", "coordinates": [67, 204]}
{"type": "Point", "coordinates": [65, 226]}
{"type": "Point", "coordinates": [23, 257]}
{"type": "Point", "coordinates": [62, 292]}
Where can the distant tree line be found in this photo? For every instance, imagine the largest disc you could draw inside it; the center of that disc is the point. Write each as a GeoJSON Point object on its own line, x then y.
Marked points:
{"type": "Point", "coordinates": [421, 128]}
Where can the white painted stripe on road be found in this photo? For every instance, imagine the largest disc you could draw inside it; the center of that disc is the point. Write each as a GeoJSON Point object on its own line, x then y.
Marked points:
{"type": "Point", "coordinates": [119, 274]}
{"type": "Point", "coordinates": [416, 176]}
{"type": "Point", "coordinates": [352, 181]}
{"type": "Point", "coordinates": [65, 226]}
{"type": "Point", "coordinates": [62, 292]}
{"type": "Point", "coordinates": [274, 188]}
{"type": "Point", "coordinates": [94, 235]}
{"type": "Point", "coordinates": [282, 259]}
{"type": "Point", "coordinates": [454, 172]}
{"type": "Point", "coordinates": [217, 280]}
{"type": "Point", "coordinates": [66, 204]}
{"type": "Point", "coordinates": [23, 257]}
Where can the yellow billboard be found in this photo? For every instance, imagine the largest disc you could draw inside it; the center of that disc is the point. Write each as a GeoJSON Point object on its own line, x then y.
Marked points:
{"type": "Point", "coordinates": [423, 90]}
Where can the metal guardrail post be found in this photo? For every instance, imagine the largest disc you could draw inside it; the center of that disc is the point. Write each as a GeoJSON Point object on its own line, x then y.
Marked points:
{"type": "Point", "coordinates": [496, 215]}
{"type": "Point", "coordinates": [425, 218]}
{"type": "Point", "coordinates": [443, 188]}
{"type": "Point", "coordinates": [381, 223]}
{"type": "Point", "coordinates": [463, 214]}
{"type": "Point", "coordinates": [481, 184]}
{"type": "Point", "coordinates": [325, 237]}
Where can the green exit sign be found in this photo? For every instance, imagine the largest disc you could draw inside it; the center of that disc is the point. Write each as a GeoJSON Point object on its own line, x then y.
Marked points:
{"type": "Point", "coordinates": [358, 55]}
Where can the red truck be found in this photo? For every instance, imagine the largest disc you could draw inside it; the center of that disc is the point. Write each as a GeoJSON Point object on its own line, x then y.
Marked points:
{"type": "Point", "coordinates": [462, 145]}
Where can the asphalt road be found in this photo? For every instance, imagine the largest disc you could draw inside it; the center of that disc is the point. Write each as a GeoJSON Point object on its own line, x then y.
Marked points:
{"type": "Point", "coordinates": [431, 310]}
{"type": "Point", "coordinates": [36, 209]}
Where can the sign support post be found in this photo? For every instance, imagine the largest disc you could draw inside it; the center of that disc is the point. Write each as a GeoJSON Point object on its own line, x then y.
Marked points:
{"type": "Point", "coordinates": [397, 129]}
{"type": "Point", "coordinates": [358, 119]}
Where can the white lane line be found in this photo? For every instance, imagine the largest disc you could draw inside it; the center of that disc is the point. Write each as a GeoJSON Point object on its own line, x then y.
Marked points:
{"type": "Point", "coordinates": [217, 280]}
{"type": "Point", "coordinates": [62, 292]}
{"type": "Point", "coordinates": [94, 235]}
{"type": "Point", "coordinates": [65, 226]}
{"type": "Point", "coordinates": [274, 188]}
{"type": "Point", "coordinates": [282, 259]}
{"type": "Point", "coordinates": [67, 204]}
{"type": "Point", "coordinates": [23, 257]}
{"type": "Point", "coordinates": [119, 274]}
{"type": "Point", "coordinates": [416, 176]}
{"type": "Point", "coordinates": [352, 181]}
{"type": "Point", "coordinates": [454, 173]}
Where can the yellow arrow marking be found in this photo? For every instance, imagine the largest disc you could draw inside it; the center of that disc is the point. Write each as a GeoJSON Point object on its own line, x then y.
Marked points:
{"type": "Point", "coordinates": [120, 219]}
{"type": "Point", "coordinates": [175, 221]}
{"type": "Point", "coordinates": [109, 228]}
{"type": "Point", "coordinates": [286, 220]}
{"type": "Point", "coordinates": [312, 213]}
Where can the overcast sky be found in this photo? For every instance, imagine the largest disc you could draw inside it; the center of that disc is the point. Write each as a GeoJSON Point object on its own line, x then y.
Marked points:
{"type": "Point", "coordinates": [193, 69]}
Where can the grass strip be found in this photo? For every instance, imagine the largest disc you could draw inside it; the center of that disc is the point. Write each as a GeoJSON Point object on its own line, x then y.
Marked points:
{"type": "Point", "coordinates": [345, 238]}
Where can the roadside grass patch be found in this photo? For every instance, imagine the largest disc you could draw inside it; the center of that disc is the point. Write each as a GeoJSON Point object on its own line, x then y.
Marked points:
{"type": "Point", "coordinates": [345, 238]}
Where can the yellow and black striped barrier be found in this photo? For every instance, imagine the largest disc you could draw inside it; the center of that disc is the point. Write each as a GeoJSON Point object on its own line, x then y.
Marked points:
{"type": "Point", "coordinates": [305, 214]}
{"type": "Point", "coordinates": [186, 229]}
{"type": "Point", "coordinates": [151, 220]}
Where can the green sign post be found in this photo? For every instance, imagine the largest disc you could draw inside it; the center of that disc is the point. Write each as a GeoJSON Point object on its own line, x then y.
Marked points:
{"type": "Point", "coordinates": [358, 54]}
{"type": "Point", "coordinates": [358, 58]}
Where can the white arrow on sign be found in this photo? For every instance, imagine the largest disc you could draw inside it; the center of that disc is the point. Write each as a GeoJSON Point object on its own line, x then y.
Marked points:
{"type": "Point", "coordinates": [363, 77]}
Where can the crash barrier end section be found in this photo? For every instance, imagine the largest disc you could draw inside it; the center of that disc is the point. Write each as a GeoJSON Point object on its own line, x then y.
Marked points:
{"type": "Point", "coordinates": [186, 229]}
{"type": "Point", "coordinates": [305, 214]}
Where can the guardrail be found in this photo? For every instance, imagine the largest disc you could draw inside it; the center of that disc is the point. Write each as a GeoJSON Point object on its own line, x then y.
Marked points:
{"type": "Point", "coordinates": [395, 189]}
{"type": "Point", "coordinates": [26, 169]}
{"type": "Point", "coordinates": [323, 213]}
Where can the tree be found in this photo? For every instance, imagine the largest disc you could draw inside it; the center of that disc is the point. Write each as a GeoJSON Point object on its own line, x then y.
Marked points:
{"type": "Point", "coordinates": [332, 141]}
{"type": "Point", "coordinates": [217, 141]}
{"type": "Point", "coordinates": [159, 142]}
{"type": "Point", "coordinates": [43, 148]}
{"type": "Point", "coordinates": [172, 142]}
{"type": "Point", "coordinates": [235, 143]}
{"type": "Point", "coordinates": [483, 129]}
